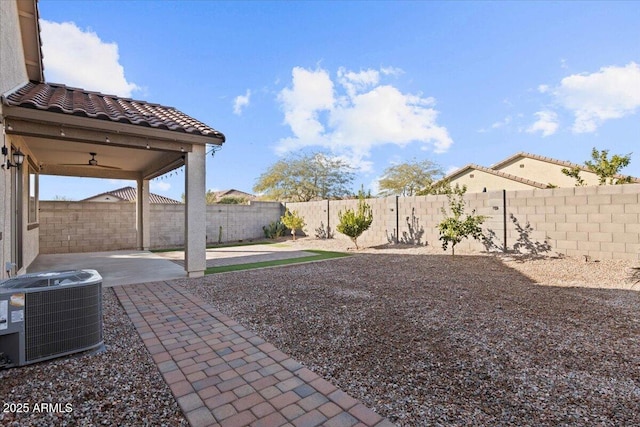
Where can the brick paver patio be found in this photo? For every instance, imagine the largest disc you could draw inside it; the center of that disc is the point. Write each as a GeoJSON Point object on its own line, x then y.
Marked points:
{"type": "Point", "coordinates": [225, 375]}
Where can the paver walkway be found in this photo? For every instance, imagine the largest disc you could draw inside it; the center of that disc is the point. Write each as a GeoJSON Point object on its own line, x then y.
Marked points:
{"type": "Point", "coordinates": [225, 375]}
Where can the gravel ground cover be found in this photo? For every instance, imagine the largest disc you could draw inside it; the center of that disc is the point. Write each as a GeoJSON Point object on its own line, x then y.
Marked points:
{"type": "Point", "coordinates": [427, 339]}
{"type": "Point", "coordinates": [118, 387]}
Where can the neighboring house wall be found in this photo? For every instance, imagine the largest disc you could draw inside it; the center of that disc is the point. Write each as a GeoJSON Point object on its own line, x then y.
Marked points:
{"type": "Point", "coordinates": [477, 181]}
{"type": "Point", "coordinates": [68, 227]}
{"type": "Point", "coordinates": [545, 172]}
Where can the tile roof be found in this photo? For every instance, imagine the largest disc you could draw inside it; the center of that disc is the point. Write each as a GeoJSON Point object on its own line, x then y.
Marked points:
{"type": "Point", "coordinates": [130, 194]}
{"type": "Point", "coordinates": [234, 193]}
{"type": "Point", "coordinates": [564, 163]}
{"type": "Point", "coordinates": [472, 166]}
{"type": "Point", "coordinates": [79, 102]}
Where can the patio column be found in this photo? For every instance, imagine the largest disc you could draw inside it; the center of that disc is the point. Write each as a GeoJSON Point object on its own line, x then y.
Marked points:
{"type": "Point", "coordinates": [143, 211]}
{"type": "Point", "coordinates": [195, 218]}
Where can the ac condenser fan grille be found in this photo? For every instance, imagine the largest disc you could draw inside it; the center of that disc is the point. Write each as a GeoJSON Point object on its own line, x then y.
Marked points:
{"type": "Point", "coordinates": [61, 321]}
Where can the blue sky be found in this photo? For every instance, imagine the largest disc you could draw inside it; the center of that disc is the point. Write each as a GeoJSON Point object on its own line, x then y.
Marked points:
{"type": "Point", "coordinates": [374, 83]}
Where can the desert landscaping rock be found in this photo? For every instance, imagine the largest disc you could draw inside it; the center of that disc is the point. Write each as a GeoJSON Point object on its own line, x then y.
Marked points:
{"type": "Point", "coordinates": [428, 339]}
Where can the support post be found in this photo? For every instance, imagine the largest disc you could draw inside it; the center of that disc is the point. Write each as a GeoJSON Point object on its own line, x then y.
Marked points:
{"type": "Point", "coordinates": [143, 213]}
{"type": "Point", "coordinates": [504, 219]}
{"type": "Point", "coordinates": [397, 220]}
{"type": "Point", "coordinates": [195, 217]}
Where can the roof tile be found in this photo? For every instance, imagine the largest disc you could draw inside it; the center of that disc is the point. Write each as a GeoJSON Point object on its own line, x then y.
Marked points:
{"type": "Point", "coordinates": [130, 194]}
{"type": "Point", "coordinates": [79, 102]}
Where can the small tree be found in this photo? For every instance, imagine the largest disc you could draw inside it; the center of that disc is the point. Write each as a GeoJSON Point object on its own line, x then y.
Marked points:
{"type": "Point", "coordinates": [354, 223]}
{"type": "Point", "coordinates": [453, 229]}
{"type": "Point", "coordinates": [607, 169]}
{"type": "Point", "coordinates": [292, 221]}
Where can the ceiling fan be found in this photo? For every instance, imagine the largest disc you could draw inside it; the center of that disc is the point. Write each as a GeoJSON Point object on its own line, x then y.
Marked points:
{"type": "Point", "coordinates": [92, 162]}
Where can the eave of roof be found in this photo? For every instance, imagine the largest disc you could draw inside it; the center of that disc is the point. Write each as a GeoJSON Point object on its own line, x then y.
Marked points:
{"type": "Point", "coordinates": [30, 32]}
{"type": "Point", "coordinates": [57, 98]}
{"type": "Point", "coordinates": [508, 176]}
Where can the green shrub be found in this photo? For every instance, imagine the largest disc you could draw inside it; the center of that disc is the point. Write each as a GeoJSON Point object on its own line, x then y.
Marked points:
{"type": "Point", "coordinates": [274, 230]}
{"type": "Point", "coordinates": [354, 223]}
{"type": "Point", "coordinates": [453, 228]}
{"type": "Point", "coordinates": [293, 221]}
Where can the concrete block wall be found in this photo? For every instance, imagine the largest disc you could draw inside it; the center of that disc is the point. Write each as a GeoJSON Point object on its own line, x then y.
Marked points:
{"type": "Point", "coordinates": [323, 214]}
{"type": "Point", "coordinates": [601, 222]}
{"type": "Point", "coordinates": [316, 216]}
{"type": "Point", "coordinates": [68, 227]}
{"type": "Point", "coordinates": [167, 226]}
{"type": "Point", "coordinates": [231, 223]}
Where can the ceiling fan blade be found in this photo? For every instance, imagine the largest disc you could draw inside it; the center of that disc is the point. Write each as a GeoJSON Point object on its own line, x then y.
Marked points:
{"type": "Point", "coordinates": [92, 163]}
{"type": "Point", "coordinates": [106, 167]}
{"type": "Point", "coordinates": [83, 165]}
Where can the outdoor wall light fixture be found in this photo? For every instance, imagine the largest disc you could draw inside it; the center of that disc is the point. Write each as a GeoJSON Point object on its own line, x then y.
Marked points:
{"type": "Point", "coordinates": [107, 140]}
{"type": "Point", "coordinates": [18, 158]}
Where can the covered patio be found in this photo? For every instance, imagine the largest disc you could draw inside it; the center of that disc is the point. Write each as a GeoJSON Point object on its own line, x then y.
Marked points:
{"type": "Point", "coordinates": [73, 132]}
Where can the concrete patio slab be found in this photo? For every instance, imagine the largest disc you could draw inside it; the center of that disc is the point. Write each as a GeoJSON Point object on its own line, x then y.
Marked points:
{"type": "Point", "coordinates": [115, 267]}
{"type": "Point", "coordinates": [131, 267]}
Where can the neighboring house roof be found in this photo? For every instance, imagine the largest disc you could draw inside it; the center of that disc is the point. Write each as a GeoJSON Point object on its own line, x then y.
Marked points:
{"type": "Point", "coordinates": [508, 176]}
{"type": "Point", "coordinates": [130, 194]}
{"type": "Point", "coordinates": [562, 163]}
{"type": "Point", "coordinates": [59, 98]}
{"type": "Point", "coordinates": [233, 193]}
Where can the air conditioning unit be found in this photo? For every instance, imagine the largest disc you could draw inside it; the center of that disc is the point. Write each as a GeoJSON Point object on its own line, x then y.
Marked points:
{"type": "Point", "coordinates": [49, 314]}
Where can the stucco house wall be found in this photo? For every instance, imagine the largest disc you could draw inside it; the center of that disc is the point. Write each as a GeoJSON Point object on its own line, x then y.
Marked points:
{"type": "Point", "coordinates": [13, 73]}
{"type": "Point", "coordinates": [12, 68]}
{"type": "Point", "coordinates": [544, 172]}
{"type": "Point", "coordinates": [477, 181]}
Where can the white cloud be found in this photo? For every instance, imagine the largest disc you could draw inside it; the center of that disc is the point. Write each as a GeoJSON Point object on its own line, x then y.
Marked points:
{"type": "Point", "coordinates": [241, 102]}
{"type": "Point", "coordinates": [80, 59]}
{"type": "Point", "coordinates": [502, 123]}
{"type": "Point", "coordinates": [547, 123]}
{"type": "Point", "coordinates": [357, 115]}
{"type": "Point", "coordinates": [611, 93]}
{"type": "Point", "coordinates": [160, 186]}
{"type": "Point", "coordinates": [311, 93]}
{"type": "Point", "coordinates": [357, 82]}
